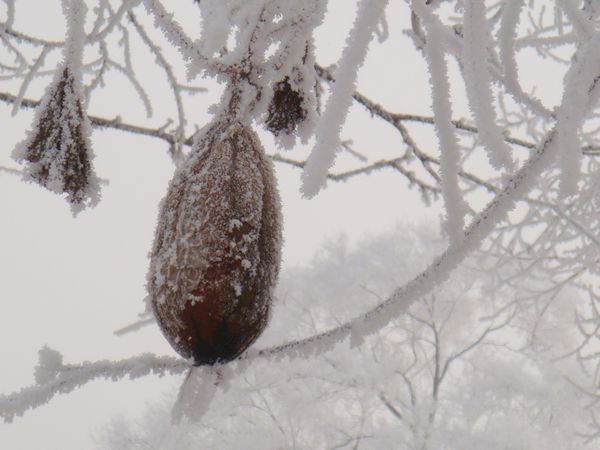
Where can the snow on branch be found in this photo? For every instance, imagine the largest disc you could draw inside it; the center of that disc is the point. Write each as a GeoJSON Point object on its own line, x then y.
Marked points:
{"type": "Point", "coordinates": [330, 125]}
{"type": "Point", "coordinates": [578, 96]}
{"type": "Point", "coordinates": [39, 62]}
{"type": "Point", "coordinates": [214, 33]}
{"type": "Point", "coordinates": [75, 12]}
{"type": "Point", "coordinates": [507, 36]}
{"type": "Point", "coordinates": [439, 270]}
{"type": "Point", "coordinates": [125, 7]}
{"type": "Point", "coordinates": [582, 25]}
{"type": "Point", "coordinates": [478, 83]}
{"type": "Point", "coordinates": [179, 134]}
{"type": "Point", "coordinates": [53, 377]}
{"type": "Point", "coordinates": [176, 36]}
{"type": "Point", "coordinates": [450, 151]}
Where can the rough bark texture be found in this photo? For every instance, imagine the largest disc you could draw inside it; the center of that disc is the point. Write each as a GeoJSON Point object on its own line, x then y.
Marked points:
{"type": "Point", "coordinates": [217, 249]}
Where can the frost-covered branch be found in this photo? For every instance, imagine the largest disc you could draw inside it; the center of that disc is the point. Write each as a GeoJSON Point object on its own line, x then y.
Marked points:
{"type": "Point", "coordinates": [101, 122]}
{"type": "Point", "coordinates": [436, 273]}
{"type": "Point", "coordinates": [450, 151]}
{"type": "Point", "coordinates": [53, 377]}
{"type": "Point", "coordinates": [179, 133]}
{"type": "Point", "coordinates": [478, 84]}
{"type": "Point", "coordinates": [330, 124]}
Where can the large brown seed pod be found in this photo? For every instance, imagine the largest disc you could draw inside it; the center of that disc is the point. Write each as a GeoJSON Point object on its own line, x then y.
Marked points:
{"type": "Point", "coordinates": [217, 249]}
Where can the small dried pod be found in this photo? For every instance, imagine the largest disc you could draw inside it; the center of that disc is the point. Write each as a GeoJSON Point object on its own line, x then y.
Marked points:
{"type": "Point", "coordinates": [286, 110]}
{"type": "Point", "coordinates": [58, 151]}
{"type": "Point", "coordinates": [216, 253]}
{"type": "Point", "coordinates": [292, 109]}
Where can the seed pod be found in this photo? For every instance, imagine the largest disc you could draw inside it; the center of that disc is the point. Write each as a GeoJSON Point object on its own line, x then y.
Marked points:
{"type": "Point", "coordinates": [57, 151]}
{"type": "Point", "coordinates": [217, 249]}
{"type": "Point", "coordinates": [286, 110]}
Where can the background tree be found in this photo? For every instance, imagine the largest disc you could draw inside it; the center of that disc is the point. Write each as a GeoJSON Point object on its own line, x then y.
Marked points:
{"type": "Point", "coordinates": [489, 116]}
{"type": "Point", "coordinates": [452, 373]}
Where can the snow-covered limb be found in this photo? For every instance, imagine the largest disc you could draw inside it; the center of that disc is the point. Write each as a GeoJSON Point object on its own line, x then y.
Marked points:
{"type": "Point", "coordinates": [450, 151]}
{"type": "Point", "coordinates": [55, 378]}
{"type": "Point", "coordinates": [499, 73]}
{"type": "Point", "coordinates": [179, 134]}
{"type": "Point", "coordinates": [102, 122]}
{"type": "Point", "coordinates": [582, 25]}
{"type": "Point", "coordinates": [175, 34]}
{"type": "Point", "coordinates": [39, 62]}
{"type": "Point", "coordinates": [214, 33]}
{"type": "Point", "coordinates": [437, 272]}
{"type": "Point", "coordinates": [128, 71]}
{"type": "Point", "coordinates": [506, 37]}
{"type": "Point", "coordinates": [330, 125]}
{"type": "Point", "coordinates": [578, 96]}
{"type": "Point", "coordinates": [126, 6]}
{"type": "Point", "coordinates": [97, 35]}
{"type": "Point", "coordinates": [479, 86]}
{"type": "Point", "coordinates": [75, 12]}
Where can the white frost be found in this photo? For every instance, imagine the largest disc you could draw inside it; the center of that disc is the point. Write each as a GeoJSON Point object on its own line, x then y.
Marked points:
{"type": "Point", "coordinates": [330, 125]}
{"type": "Point", "coordinates": [580, 82]}
{"type": "Point", "coordinates": [479, 84]}
{"type": "Point", "coordinates": [450, 151]}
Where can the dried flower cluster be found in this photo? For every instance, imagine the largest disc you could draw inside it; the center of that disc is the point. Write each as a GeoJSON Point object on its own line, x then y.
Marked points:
{"type": "Point", "coordinates": [217, 248]}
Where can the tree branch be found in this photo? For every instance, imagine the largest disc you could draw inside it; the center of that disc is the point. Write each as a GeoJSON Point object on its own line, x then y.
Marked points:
{"type": "Point", "coordinates": [66, 378]}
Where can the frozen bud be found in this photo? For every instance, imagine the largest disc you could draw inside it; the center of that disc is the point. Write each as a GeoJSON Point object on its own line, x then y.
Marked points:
{"type": "Point", "coordinates": [216, 253]}
{"type": "Point", "coordinates": [286, 110]}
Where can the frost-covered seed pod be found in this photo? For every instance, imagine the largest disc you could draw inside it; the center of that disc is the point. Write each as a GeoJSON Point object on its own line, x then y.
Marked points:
{"type": "Point", "coordinates": [217, 248]}
{"type": "Point", "coordinates": [58, 151]}
{"type": "Point", "coordinates": [286, 110]}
